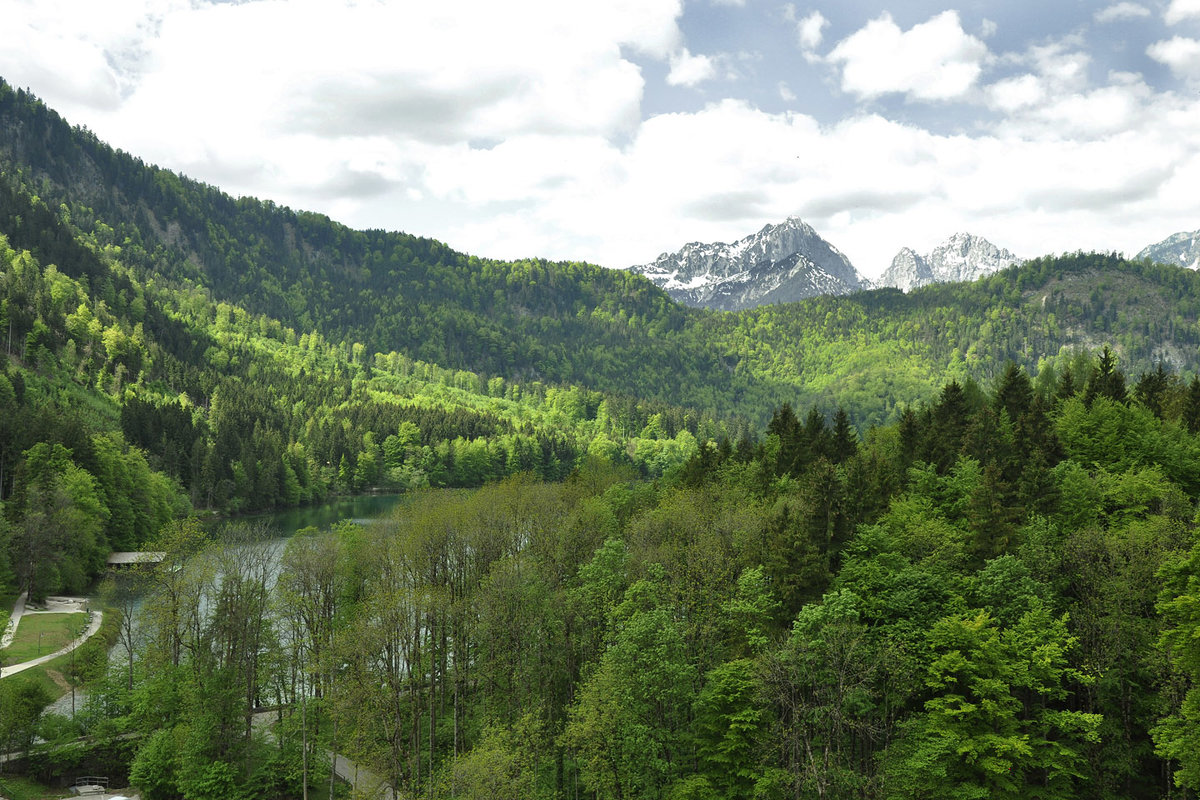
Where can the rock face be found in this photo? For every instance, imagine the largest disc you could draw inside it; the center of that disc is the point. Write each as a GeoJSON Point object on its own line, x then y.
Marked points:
{"type": "Point", "coordinates": [779, 264]}
{"type": "Point", "coordinates": [908, 271]}
{"type": "Point", "coordinates": [962, 257]}
{"type": "Point", "coordinates": [1180, 249]}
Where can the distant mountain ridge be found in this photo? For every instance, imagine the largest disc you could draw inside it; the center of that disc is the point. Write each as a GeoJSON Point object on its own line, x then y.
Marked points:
{"type": "Point", "coordinates": [538, 323]}
{"type": "Point", "coordinates": [779, 264]}
{"type": "Point", "coordinates": [1178, 249]}
{"type": "Point", "coordinates": [962, 257]}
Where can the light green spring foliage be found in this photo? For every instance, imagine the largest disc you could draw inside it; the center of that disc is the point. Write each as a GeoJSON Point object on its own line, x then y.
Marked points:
{"type": "Point", "coordinates": [994, 727]}
{"type": "Point", "coordinates": [619, 638]}
{"type": "Point", "coordinates": [962, 604]}
{"type": "Point", "coordinates": [1178, 735]}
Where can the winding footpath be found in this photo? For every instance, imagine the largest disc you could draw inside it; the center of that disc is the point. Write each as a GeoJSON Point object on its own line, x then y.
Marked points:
{"type": "Point", "coordinates": [363, 781]}
{"type": "Point", "coordinates": [7, 636]}
{"type": "Point", "coordinates": [19, 611]}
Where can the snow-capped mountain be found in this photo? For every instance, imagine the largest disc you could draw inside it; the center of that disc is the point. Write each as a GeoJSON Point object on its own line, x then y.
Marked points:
{"type": "Point", "coordinates": [962, 257]}
{"type": "Point", "coordinates": [779, 264]}
{"type": "Point", "coordinates": [1181, 249]}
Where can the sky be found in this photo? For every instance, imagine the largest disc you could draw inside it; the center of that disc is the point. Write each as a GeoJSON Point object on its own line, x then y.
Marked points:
{"type": "Point", "coordinates": [612, 132]}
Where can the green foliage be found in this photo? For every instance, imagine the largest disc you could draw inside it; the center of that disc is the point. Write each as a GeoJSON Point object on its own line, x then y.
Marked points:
{"type": "Point", "coordinates": [956, 599]}
{"type": "Point", "coordinates": [1178, 735]}
{"type": "Point", "coordinates": [730, 721]}
{"type": "Point", "coordinates": [629, 723]}
{"type": "Point", "coordinates": [825, 689]}
{"type": "Point", "coordinates": [752, 610]}
{"type": "Point", "coordinates": [996, 725]}
{"type": "Point", "coordinates": [21, 702]}
{"type": "Point", "coordinates": [153, 768]}
{"type": "Point", "coordinates": [633, 639]}
{"type": "Point", "coordinates": [502, 765]}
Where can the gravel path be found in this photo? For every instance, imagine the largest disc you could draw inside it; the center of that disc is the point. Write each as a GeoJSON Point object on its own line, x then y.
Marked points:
{"type": "Point", "coordinates": [97, 618]}
{"type": "Point", "coordinates": [11, 630]}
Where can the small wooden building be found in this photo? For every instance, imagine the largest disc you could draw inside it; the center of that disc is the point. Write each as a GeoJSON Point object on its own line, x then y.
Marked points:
{"type": "Point", "coordinates": [132, 559]}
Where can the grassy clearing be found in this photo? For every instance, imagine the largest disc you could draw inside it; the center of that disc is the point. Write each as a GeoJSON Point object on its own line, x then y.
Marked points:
{"type": "Point", "coordinates": [90, 660]}
{"type": "Point", "coordinates": [40, 676]}
{"type": "Point", "coordinates": [42, 634]}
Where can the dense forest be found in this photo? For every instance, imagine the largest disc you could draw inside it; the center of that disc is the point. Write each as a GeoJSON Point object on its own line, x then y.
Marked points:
{"type": "Point", "coordinates": [992, 597]}
{"type": "Point", "coordinates": [125, 410]}
{"type": "Point", "coordinates": [940, 544]}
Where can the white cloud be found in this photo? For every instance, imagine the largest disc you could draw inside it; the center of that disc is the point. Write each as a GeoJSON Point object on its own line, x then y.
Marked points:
{"type": "Point", "coordinates": [84, 54]}
{"type": "Point", "coordinates": [1056, 99]}
{"type": "Point", "coordinates": [517, 129]}
{"type": "Point", "coordinates": [1121, 12]}
{"type": "Point", "coordinates": [1179, 10]}
{"type": "Point", "coordinates": [690, 70]}
{"type": "Point", "coordinates": [1063, 65]}
{"type": "Point", "coordinates": [1013, 94]}
{"type": "Point", "coordinates": [810, 31]}
{"type": "Point", "coordinates": [1086, 116]}
{"type": "Point", "coordinates": [935, 60]}
{"type": "Point", "coordinates": [279, 96]}
{"type": "Point", "coordinates": [868, 184]}
{"type": "Point", "coordinates": [988, 28]}
{"type": "Point", "coordinates": [1179, 53]}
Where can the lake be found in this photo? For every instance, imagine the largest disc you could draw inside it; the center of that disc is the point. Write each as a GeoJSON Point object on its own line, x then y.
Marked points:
{"type": "Point", "coordinates": [360, 509]}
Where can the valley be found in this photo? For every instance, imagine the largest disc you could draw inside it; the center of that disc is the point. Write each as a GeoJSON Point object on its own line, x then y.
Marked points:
{"type": "Point", "coordinates": [823, 546]}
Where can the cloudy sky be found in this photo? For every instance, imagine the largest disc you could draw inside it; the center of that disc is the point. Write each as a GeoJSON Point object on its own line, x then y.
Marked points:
{"type": "Point", "coordinates": [613, 131]}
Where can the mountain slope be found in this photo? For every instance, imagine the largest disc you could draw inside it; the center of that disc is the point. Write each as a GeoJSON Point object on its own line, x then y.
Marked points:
{"type": "Point", "coordinates": [242, 413]}
{"type": "Point", "coordinates": [76, 203]}
{"type": "Point", "coordinates": [530, 320]}
{"type": "Point", "coordinates": [908, 270]}
{"type": "Point", "coordinates": [1179, 249]}
{"type": "Point", "coordinates": [779, 264]}
{"type": "Point", "coordinates": [962, 257]}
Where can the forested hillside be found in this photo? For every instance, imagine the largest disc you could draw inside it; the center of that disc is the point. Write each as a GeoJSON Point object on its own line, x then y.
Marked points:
{"type": "Point", "coordinates": [931, 545]}
{"type": "Point", "coordinates": [168, 347]}
{"type": "Point", "coordinates": [124, 405]}
{"type": "Point", "coordinates": [990, 598]}
{"type": "Point", "coordinates": [572, 323]}
{"type": "Point", "coordinates": [528, 320]}
{"type": "Point", "coordinates": [876, 352]}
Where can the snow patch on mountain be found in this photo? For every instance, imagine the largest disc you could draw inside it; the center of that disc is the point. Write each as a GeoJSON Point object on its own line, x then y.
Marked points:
{"type": "Point", "coordinates": [1180, 249]}
{"type": "Point", "coordinates": [962, 257]}
{"type": "Point", "coordinates": [781, 263]}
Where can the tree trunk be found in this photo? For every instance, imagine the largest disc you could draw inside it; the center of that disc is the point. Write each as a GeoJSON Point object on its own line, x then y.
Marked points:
{"type": "Point", "coordinates": [333, 757]}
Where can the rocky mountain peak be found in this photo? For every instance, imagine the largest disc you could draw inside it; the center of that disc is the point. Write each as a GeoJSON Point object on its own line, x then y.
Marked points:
{"type": "Point", "coordinates": [962, 257]}
{"type": "Point", "coordinates": [782, 262]}
{"type": "Point", "coordinates": [1181, 249]}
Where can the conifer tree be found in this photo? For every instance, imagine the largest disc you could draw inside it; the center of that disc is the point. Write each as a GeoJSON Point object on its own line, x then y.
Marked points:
{"type": "Point", "coordinates": [992, 515]}
{"type": "Point", "coordinates": [816, 439]}
{"type": "Point", "coordinates": [1152, 388]}
{"type": "Point", "coordinates": [1106, 380]}
{"type": "Point", "coordinates": [1014, 392]}
{"type": "Point", "coordinates": [844, 442]}
{"type": "Point", "coordinates": [950, 418]}
{"type": "Point", "coordinates": [1191, 406]}
{"type": "Point", "coordinates": [1066, 384]}
{"type": "Point", "coordinates": [911, 436]}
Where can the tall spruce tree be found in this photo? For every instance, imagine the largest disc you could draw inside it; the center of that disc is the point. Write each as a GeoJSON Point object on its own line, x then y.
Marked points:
{"type": "Point", "coordinates": [1106, 380]}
